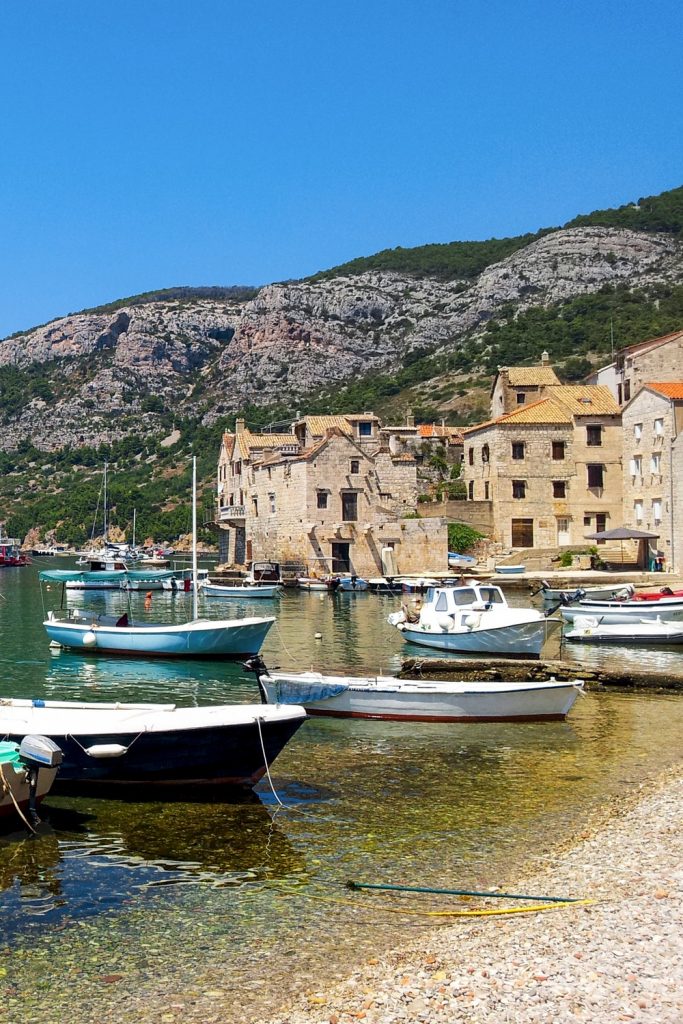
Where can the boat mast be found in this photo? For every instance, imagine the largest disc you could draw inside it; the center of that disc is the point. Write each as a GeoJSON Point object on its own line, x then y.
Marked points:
{"type": "Point", "coordinates": [133, 527]}
{"type": "Point", "coordinates": [195, 612]}
{"type": "Point", "coordinates": [106, 524]}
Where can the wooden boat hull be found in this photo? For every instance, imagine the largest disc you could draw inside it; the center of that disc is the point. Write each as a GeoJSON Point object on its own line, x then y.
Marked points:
{"type": "Point", "coordinates": [123, 748]}
{"type": "Point", "coordinates": [393, 699]}
{"type": "Point", "coordinates": [205, 638]}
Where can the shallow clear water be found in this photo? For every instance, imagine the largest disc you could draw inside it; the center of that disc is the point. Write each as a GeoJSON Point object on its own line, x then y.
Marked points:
{"type": "Point", "coordinates": [250, 896]}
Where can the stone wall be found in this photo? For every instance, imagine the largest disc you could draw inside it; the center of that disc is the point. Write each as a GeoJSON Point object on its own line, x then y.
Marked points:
{"type": "Point", "coordinates": [648, 490]}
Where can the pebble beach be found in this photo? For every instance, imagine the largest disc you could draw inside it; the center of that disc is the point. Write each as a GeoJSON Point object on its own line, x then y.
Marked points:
{"type": "Point", "coordinates": [616, 958]}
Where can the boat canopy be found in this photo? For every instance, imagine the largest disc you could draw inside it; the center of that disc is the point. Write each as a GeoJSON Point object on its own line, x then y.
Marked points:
{"type": "Point", "coordinates": [104, 576]}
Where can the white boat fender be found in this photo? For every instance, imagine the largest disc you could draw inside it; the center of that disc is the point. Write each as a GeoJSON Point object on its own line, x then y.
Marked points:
{"type": "Point", "coordinates": [106, 750]}
{"type": "Point", "coordinates": [89, 639]}
{"type": "Point", "coordinates": [317, 636]}
{"type": "Point", "coordinates": [472, 620]}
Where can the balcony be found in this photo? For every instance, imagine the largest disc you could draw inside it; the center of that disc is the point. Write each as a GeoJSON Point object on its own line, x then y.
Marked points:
{"type": "Point", "coordinates": [228, 513]}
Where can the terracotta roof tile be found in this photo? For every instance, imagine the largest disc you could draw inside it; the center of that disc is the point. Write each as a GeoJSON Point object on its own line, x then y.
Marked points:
{"type": "Point", "coordinates": [670, 389]}
{"type": "Point", "coordinates": [586, 399]}
{"type": "Point", "coordinates": [518, 376]}
{"type": "Point", "coordinates": [543, 411]}
{"type": "Point", "coordinates": [317, 425]}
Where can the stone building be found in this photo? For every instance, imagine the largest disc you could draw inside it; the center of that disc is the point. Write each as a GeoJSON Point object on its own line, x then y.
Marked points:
{"type": "Point", "coordinates": [514, 386]}
{"type": "Point", "coordinates": [326, 497]}
{"type": "Point", "coordinates": [653, 466]}
{"type": "Point", "coordinates": [658, 359]}
{"type": "Point", "coordinates": [551, 470]}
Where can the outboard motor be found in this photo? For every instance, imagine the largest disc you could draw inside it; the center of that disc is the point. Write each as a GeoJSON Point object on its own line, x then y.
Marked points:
{"type": "Point", "coordinates": [258, 666]}
{"type": "Point", "coordinates": [36, 752]}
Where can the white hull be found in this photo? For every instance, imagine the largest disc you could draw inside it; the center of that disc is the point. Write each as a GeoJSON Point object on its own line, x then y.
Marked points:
{"type": "Point", "coordinates": [606, 593]}
{"type": "Point", "coordinates": [244, 591]}
{"type": "Point", "coordinates": [423, 701]}
{"type": "Point", "coordinates": [518, 640]}
{"type": "Point", "coordinates": [626, 611]}
{"type": "Point", "coordinates": [590, 630]}
{"type": "Point", "coordinates": [14, 787]}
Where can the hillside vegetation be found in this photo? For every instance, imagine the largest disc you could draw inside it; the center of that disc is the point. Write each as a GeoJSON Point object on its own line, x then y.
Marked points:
{"type": "Point", "coordinates": [170, 380]}
{"type": "Point", "coordinates": [453, 260]}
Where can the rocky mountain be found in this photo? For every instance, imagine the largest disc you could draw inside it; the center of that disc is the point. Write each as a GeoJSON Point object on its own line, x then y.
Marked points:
{"type": "Point", "coordinates": [139, 368]}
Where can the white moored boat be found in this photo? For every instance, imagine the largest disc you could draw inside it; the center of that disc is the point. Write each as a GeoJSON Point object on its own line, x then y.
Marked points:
{"type": "Point", "coordinates": [607, 592]}
{"type": "Point", "coordinates": [590, 629]}
{"type": "Point", "coordinates": [240, 590]}
{"type": "Point", "coordinates": [389, 698]}
{"type": "Point", "coordinates": [630, 610]}
{"type": "Point", "coordinates": [475, 619]}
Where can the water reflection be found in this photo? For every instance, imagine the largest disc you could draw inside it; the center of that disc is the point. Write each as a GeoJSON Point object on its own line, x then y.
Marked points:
{"type": "Point", "coordinates": [91, 855]}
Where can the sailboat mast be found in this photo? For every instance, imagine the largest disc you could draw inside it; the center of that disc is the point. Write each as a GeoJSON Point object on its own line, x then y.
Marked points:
{"type": "Point", "coordinates": [195, 610]}
{"type": "Point", "coordinates": [106, 522]}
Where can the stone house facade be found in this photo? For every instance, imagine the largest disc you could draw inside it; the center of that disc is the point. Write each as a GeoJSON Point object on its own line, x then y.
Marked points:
{"type": "Point", "coordinates": [328, 501]}
{"type": "Point", "coordinates": [515, 386]}
{"type": "Point", "coordinates": [652, 426]}
{"type": "Point", "coordinates": [551, 470]}
{"type": "Point", "coordinates": [659, 359]}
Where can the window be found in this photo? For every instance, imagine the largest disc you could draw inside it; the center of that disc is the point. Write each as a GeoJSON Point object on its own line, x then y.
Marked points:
{"type": "Point", "coordinates": [349, 507]}
{"type": "Point", "coordinates": [271, 502]}
{"type": "Point", "coordinates": [470, 456]}
{"type": "Point", "coordinates": [638, 511]}
{"type": "Point", "coordinates": [559, 488]}
{"type": "Point", "coordinates": [254, 507]}
{"type": "Point", "coordinates": [485, 453]}
{"type": "Point", "coordinates": [627, 390]}
{"type": "Point", "coordinates": [594, 436]}
{"type": "Point", "coordinates": [657, 511]}
{"type": "Point", "coordinates": [636, 465]}
{"type": "Point", "coordinates": [365, 428]}
{"type": "Point", "coordinates": [442, 603]}
{"type": "Point", "coordinates": [558, 450]}
{"type": "Point", "coordinates": [655, 463]}
{"type": "Point", "coordinates": [521, 398]}
{"type": "Point", "coordinates": [464, 597]}
{"type": "Point", "coordinates": [517, 450]}
{"type": "Point", "coordinates": [522, 533]}
{"type": "Point", "coordinates": [486, 490]}
{"type": "Point", "coordinates": [637, 431]}
{"type": "Point", "coordinates": [587, 520]}
{"type": "Point", "coordinates": [595, 474]}
{"type": "Point", "coordinates": [322, 499]}
{"type": "Point", "coordinates": [659, 427]}
{"type": "Point", "coordinates": [470, 490]}
{"type": "Point", "coordinates": [519, 488]}
{"type": "Point", "coordinates": [355, 466]}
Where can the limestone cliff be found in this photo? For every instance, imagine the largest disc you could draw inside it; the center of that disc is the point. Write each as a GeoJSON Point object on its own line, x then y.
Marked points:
{"type": "Point", "coordinates": [111, 374]}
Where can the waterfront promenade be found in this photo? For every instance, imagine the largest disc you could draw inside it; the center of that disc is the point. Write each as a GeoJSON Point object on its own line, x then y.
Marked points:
{"type": "Point", "coordinates": [618, 959]}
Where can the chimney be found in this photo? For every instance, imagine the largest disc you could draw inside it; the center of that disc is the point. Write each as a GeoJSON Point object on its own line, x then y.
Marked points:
{"type": "Point", "coordinates": [545, 359]}
{"type": "Point", "coordinates": [239, 426]}
{"type": "Point", "coordinates": [410, 419]}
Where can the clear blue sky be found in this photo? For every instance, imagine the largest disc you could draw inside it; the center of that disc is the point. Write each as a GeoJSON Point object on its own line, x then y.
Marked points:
{"type": "Point", "coordinates": [151, 143]}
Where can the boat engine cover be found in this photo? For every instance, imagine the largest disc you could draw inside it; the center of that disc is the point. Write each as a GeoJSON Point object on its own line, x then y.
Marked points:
{"type": "Point", "coordinates": [40, 752]}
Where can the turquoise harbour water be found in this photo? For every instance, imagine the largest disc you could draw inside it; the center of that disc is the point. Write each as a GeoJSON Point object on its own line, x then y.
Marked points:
{"type": "Point", "coordinates": [249, 898]}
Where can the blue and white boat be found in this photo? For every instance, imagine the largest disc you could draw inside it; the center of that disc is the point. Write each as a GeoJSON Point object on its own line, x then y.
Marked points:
{"type": "Point", "coordinates": [245, 591]}
{"type": "Point", "coordinates": [474, 619]}
{"type": "Point", "coordinates": [154, 748]}
{"type": "Point", "coordinates": [93, 633]}
{"type": "Point", "coordinates": [198, 638]}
